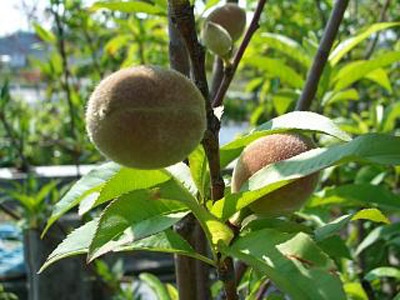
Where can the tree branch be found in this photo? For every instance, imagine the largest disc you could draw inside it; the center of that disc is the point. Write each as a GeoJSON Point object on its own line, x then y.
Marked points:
{"type": "Point", "coordinates": [382, 16]}
{"type": "Point", "coordinates": [186, 277]}
{"type": "Point", "coordinates": [230, 70]}
{"type": "Point", "coordinates": [321, 57]}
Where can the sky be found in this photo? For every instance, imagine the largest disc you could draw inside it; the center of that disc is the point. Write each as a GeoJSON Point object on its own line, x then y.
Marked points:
{"type": "Point", "coordinates": [12, 17]}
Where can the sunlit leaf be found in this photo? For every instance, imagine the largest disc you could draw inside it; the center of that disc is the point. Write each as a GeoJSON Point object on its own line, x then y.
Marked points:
{"type": "Point", "coordinates": [277, 68]}
{"type": "Point", "coordinates": [277, 254]}
{"type": "Point", "coordinates": [347, 45]}
{"type": "Point", "coordinates": [357, 70]}
{"type": "Point", "coordinates": [137, 213]}
{"type": "Point", "coordinates": [371, 214]}
{"type": "Point", "coordinates": [129, 7]}
{"type": "Point", "coordinates": [288, 47]}
{"type": "Point", "coordinates": [91, 182]}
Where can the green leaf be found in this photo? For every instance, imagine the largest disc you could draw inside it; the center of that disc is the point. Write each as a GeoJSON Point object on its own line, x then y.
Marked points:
{"type": "Point", "coordinates": [299, 120]}
{"type": "Point", "coordinates": [391, 115]}
{"type": "Point", "coordinates": [91, 182]}
{"type": "Point", "coordinates": [371, 148]}
{"type": "Point", "coordinates": [345, 95]}
{"type": "Point", "coordinates": [287, 46]}
{"type": "Point", "coordinates": [355, 291]}
{"type": "Point", "coordinates": [356, 194]}
{"type": "Point", "coordinates": [371, 214]}
{"type": "Point", "coordinates": [44, 35]}
{"type": "Point", "coordinates": [139, 213]}
{"type": "Point", "coordinates": [336, 225]}
{"type": "Point", "coordinates": [116, 43]}
{"type": "Point", "coordinates": [357, 70]}
{"type": "Point", "coordinates": [78, 241]}
{"type": "Point", "coordinates": [347, 45]}
{"type": "Point", "coordinates": [129, 7]}
{"type": "Point", "coordinates": [335, 247]}
{"type": "Point", "coordinates": [380, 272]}
{"type": "Point", "coordinates": [277, 68]}
{"type": "Point", "coordinates": [278, 254]}
{"type": "Point", "coordinates": [215, 230]}
{"type": "Point", "coordinates": [332, 228]}
{"type": "Point", "coordinates": [381, 77]}
{"type": "Point", "coordinates": [199, 170]}
{"type": "Point", "coordinates": [276, 224]}
{"type": "Point", "coordinates": [156, 285]}
{"type": "Point", "coordinates": [378, 234]}
{"type": "Point", "coordinates": [126, 180]}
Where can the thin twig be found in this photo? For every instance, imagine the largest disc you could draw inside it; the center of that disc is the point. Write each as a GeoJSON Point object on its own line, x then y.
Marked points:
{"type": "Point", "coordinates": [14, 142]}
{"type": "Point", "coordinates": [66, 74]}
{"type": "Point", "coordinates": [230, 70]}
{"type": "Point", "coordinates": [382, 16]}
{"type": "Point", "coordinates": [321, 57]}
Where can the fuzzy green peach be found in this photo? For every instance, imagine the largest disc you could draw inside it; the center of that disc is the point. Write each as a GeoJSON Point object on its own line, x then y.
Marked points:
{"type": "Point", "coordinates": [146, 117]}
{"type": "Point", "coordinates": [265, 151]}
{"type": "Point", "coordinates": [231, 17]}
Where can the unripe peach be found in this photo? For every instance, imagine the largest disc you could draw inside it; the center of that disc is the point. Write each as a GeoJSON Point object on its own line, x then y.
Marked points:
{"type": "Point", "coordinates": [216, 39]}
{"type": "Point", "coordinates": [146, 117]}
{"type": "Point", "coordinates": [231, 17]}
{"type": "Point", "coordinates": [265, 151]}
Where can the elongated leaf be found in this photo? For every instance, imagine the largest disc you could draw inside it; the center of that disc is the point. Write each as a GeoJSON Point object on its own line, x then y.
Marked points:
{"type": "Point", "coordinates": [116, 43]}
{"type": "Point", "coordinates": [78, 241]}
{"type": "Point", "coordinates": [332, 228]}
{"type": "Point", "coordinates": [277, 68]}
{"type": "Point", "coordinates": [91, 182]}
{"type": "Point", "coordinates": [383, 272]}
{"type": "Point", "coordinates": [129, 7]}
{"type": "Point", "coordinates": [347, 45]}
{"type": "Point", "coordinates": [45, 35]}
{"type": "Point", "coordinates": [378, 234]}
{"type": "Point", "coordinates": [371, 214]}
{"type": "Point", "coordinates": [156, 285]}
{"type": "Point", "coordinates": [126, 180]}
{"type": "Point", "coordinates": [391, 115]}
{"type": "Point", "coordinates": [199, 170]}
{"type": "Point", "coordinates": [356, 194]}
{"type": "Point", "coordinates": [372, 148]}
{"type": "Point", "coordinates": [353, 72]}
{"type": "Point", "coordinates": [128, 211]}
{"type": "Point", "coordinates": [380, 76]}
{"type": "Point", "coordinates": [215, 230]}
{"type": "Point", "coordinates": [277, 254]}
{"type": "Point", "coordinates": [287, 46]}
{"type": "Point", "coordinates": [345, 95]}
{"type": "Point", "coordinates": [335, 247]}
{"type": "Point", "coordinates": [300, 120]}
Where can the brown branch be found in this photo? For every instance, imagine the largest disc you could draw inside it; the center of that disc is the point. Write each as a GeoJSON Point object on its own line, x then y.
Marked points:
{"type": "Point", "coordinates": [230, 70]}
{"type": "Point", "coordinates": [218, 74]}
{"type": "Point", "coordinates": [182, 16]}
{"type": "Point", "coordinates": [382, 16]}
{"type": "Point", "coordinates": [321, 57]}
{"type": "Point", "coordinates": [186, 278]}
